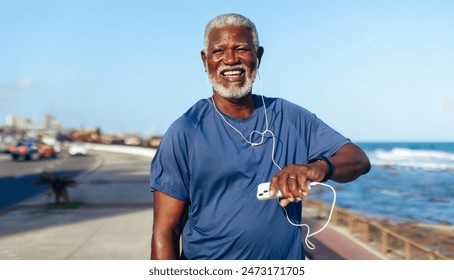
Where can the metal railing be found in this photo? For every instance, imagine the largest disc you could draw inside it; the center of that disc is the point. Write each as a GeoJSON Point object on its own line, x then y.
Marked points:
{"type": "Point", "coordinates": [377, 236]}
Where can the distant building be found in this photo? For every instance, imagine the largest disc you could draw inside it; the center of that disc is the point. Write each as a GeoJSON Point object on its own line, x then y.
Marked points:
{"type": "Point", "coordinates": [154, 141]}
{"type": "Point", "coordinates": [51, 131]}
{"type": "Point", "coordinates": [21, 123]}
{"type": "Point", "coordinates": [9, 120]}
{"type": "Point", "coordinates": [50, 123]}
{"type": "Point", "coordinates": [20, 127]}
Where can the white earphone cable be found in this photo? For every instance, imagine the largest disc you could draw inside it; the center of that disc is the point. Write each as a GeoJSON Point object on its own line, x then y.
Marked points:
{"type": "Point", "coordinates": [309, 244]}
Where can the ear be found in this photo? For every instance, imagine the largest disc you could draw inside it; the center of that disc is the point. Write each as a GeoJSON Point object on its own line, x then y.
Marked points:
{"type": "Point", "coordinates": [260, 52]}
{"type": "Point", "coordinates": [204, 59]}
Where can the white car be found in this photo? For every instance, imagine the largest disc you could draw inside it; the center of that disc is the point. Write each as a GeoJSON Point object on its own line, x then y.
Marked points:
{"type": "Point", "coordinates": [77, 149]}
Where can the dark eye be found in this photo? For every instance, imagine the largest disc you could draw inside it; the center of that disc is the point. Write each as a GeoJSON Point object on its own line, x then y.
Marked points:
{"type": "Point", "coordinates": [243, 50]}
{"type": "Point", "coordinates": [218, 51]}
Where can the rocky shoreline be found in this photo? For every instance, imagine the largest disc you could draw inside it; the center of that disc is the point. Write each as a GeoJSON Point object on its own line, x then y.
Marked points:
{"type": "Point", "coordinates": [438, 237]}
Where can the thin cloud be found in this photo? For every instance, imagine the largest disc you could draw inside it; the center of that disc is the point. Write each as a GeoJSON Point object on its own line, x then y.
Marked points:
{"type": "Point", "coordinates": [15, 88]}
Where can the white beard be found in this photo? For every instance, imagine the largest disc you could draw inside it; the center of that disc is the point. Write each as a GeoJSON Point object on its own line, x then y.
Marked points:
{"type": "Point", "coordinates": [234, 92]}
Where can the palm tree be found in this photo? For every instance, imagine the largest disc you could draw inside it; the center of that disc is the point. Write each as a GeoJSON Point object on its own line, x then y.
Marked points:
{"type": "Point", "coordinates": [58, 184]}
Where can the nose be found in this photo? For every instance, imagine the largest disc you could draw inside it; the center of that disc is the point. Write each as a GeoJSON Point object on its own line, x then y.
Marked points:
{"type": "Point", "coordinates": [230, 57]}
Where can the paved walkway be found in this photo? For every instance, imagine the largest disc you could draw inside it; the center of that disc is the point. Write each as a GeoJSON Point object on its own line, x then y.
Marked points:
{"type": "Point", "coordinates": [337, 244]}
{"type": "Point", "coordinates": [116, 220]}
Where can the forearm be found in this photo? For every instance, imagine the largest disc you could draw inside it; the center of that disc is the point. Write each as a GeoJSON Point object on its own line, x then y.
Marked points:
{"type": "Point", "coordinates": [165, 245]}
{"type": "Point", "coordinates": [349, 163]}
{"type": "Point", "coordinates": [167, 227]}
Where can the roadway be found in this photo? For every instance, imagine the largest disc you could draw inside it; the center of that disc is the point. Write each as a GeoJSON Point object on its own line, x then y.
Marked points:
{"type": "Point", "coordinates": [114, 221]}
{"type": "Point", "coordinates": [16, 177]}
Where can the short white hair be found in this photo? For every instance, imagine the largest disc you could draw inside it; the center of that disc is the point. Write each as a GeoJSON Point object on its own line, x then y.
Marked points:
{"type": "Point", "coordinates": [235, 20]}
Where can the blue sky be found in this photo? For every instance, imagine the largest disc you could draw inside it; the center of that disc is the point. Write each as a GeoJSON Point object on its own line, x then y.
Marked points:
{"type": "Point", "coordinates": [373, 70]}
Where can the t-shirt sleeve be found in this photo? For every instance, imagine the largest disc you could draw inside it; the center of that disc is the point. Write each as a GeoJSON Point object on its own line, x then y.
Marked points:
{"type": "Point", "coordinates": [323, 140]}
{"type": "Point", "coordinates": [169, 171]}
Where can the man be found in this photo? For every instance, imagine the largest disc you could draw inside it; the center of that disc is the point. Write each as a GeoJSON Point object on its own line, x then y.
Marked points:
{"type": "Point", "coordinates": [211, 160]}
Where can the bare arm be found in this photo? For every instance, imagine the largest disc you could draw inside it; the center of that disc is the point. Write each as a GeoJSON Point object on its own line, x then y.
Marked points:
{"type": "Point", "coordinates": [167, 226]}
{"type": "Point", "coordinates": [349, 163]}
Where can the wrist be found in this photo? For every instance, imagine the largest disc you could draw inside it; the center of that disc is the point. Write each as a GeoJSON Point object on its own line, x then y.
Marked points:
{"type": "Point", "coordinates": [327, 167]}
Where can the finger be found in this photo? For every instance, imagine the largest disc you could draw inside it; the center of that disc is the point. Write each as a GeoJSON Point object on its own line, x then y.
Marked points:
{"type": "Point", "coordinates": [306, 188]}
{"type": "Point", "coordinates": [293, 185]}
{"type": "Point", "coordinates": [284, 187]}
{"type": "Point", "coordinates": [273, 185]}
{"type": "Point", "coordinates": [302, 184]}
{"type": "Point", "coordinates": [284, 202]}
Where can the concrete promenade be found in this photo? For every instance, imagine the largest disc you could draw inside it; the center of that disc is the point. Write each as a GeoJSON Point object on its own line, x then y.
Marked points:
{"type": "Point", "coordinates": [115, 221]}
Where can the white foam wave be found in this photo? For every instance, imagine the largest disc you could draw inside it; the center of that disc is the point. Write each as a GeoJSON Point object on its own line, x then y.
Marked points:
{"type": "Point", "coordinates": [424, 159]}
{"type": "Point", "coordinates": [388, 192]}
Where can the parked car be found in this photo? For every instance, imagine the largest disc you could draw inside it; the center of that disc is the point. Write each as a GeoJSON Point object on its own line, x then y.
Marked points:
{"type": "Point", "coordinates": [46, 151]}
{"type": "Point", "coordinates": [5, 142]}
{"type": "Point", "coordinates": [77, 149]}
{"type": "Point", "coordinates": [31, 149]}
{"type": "Point", "coordinates": [25, 149]}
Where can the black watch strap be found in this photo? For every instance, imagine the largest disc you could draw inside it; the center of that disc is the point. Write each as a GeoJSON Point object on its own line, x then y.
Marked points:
{"type": "Point", "coordinates": [328, 163]}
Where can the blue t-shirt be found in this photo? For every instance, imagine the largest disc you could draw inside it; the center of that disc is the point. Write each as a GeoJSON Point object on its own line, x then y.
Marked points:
{"type": "Point", "coordinates": [204, 161]}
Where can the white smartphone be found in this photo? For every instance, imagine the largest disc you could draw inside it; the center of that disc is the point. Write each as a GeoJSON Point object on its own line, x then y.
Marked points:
{"type": "Point", "coordinates": [263, 192]}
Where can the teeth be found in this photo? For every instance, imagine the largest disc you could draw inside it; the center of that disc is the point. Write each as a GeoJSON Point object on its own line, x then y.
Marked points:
{"type": "Point", "coordinates": [232, 73]}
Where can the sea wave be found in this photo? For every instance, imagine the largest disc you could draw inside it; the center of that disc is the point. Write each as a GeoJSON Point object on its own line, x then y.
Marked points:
{"type": "Point", "coordinates": [421, 159]}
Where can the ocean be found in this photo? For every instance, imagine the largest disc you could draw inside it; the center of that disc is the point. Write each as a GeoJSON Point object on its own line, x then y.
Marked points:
{"type": "Point", "coordinates": [411, 182]}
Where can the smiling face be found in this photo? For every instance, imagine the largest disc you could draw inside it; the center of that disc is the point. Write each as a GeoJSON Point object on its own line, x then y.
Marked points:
{"type": "Point", "coordinates": [231, 61]}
